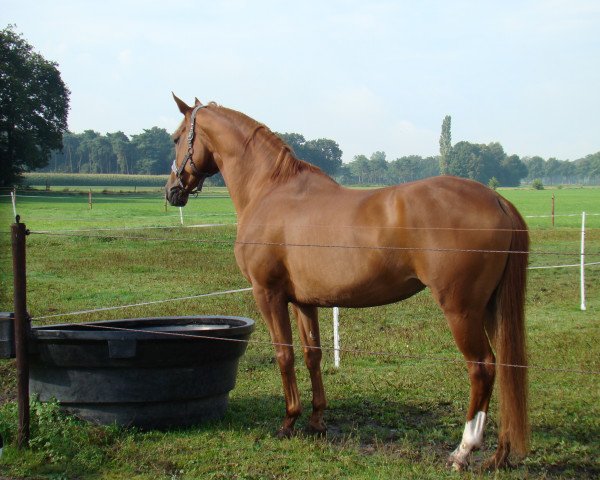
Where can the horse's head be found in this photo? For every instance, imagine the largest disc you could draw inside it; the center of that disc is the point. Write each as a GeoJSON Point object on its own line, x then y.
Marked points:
{"type": "Point", "coordinates": [194, 161]}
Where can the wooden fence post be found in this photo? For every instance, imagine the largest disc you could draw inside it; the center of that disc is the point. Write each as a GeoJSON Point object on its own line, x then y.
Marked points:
{"type": "Point", "coordinates": [22, 329]}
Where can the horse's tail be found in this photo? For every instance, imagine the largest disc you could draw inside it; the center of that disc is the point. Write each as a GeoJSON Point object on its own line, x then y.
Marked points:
{"type": "Point", "coordinates": [508, 337]}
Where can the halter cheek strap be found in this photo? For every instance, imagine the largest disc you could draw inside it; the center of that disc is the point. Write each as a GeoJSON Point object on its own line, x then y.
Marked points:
{"type": "Point", "coordinates": [190, 152]}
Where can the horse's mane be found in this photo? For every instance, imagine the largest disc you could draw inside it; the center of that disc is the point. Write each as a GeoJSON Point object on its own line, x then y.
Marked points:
{"type": "Point", "coordinates": [286, 164]}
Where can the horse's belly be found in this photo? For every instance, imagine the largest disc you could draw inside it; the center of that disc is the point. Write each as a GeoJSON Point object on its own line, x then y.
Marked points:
{"type": "Point", "coordinates": [352, 284]}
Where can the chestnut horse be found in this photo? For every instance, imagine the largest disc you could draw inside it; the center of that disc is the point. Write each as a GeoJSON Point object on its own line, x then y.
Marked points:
{"type": "Point", "coordinates": [305, 240]}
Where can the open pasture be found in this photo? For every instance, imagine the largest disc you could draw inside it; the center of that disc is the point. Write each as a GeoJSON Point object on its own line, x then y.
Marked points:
{"type": "Point", "coordinates": [396, 407]}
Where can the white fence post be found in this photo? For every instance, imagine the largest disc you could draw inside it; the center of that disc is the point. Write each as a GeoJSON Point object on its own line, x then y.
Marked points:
{"type": "Point", "coordinates": [583, 307]}
{"type": "Point", "coordinates": [13, 197]}
{"type": "Point", "coordinates": [336, 337]}
{"type": "Point", "coordinates": [181, 215]}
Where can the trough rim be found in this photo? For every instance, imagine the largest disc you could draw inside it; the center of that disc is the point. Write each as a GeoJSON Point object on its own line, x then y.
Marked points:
{"type": "Point", "coordinates": [243, 326]}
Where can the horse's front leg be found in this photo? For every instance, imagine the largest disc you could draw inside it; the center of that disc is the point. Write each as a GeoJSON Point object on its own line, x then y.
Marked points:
{"type": "Point", "coordinates": [308, 325]}
{"type": "Point", "coordinates": [273, 306]}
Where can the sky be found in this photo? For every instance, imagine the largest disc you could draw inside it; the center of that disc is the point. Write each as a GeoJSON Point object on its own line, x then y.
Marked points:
{"type": "Point", "coordinates": [372, 75]}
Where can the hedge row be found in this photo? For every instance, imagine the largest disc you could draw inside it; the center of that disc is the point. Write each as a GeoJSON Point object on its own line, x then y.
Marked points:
{"type": "Point", "coordinates": [35, 179]}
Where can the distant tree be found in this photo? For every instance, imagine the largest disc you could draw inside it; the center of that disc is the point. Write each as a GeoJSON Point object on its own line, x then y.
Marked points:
{"type": "Point", "coordinates": [512, 171]}
{"type": "Point", "coordinates": [567, 170]}
{"type": "Point", "coordinates": [84, 151]}
{"type": "Point", "coordinates": [406, 169]}
{"type": "Point", "coordinates": [493, 183]}
{"type": "Point", "coordinates": [123, 151]}
{"type": "Point", "coordinates": [535, 167]}
{"type": "Point", "coordinates": [344, 174]}
{"type": "Point", "coordinates": [360, 168]}
{"type": "Point", "coordinates": [155, 151]}
{"type": "Point", "coordinates": [489, 164]}
{"type": "Point", "coordinates": [69, 152]}
{"type": "Point", "coordinates": [552, 170]}
{"type": "Point", "coordinates": [378, 168]}
{"type": "Point", "coordinates": [34, 103]}
{"type": "Point", "coordinates": [322, 152]}
{"type": "Point", "coordinates": [294, 140]}
{"type": "Point", "coordinates": [461, 158]}
{"type": "Point", "coordinates": [482, 162]}
{"type": "Point", "coordinates": [325, 154]}
{"type": "Point", "coordinates": [445, 144]}
{"type": "Point", "coordinates": [430, 167]}
{"type": "Point", "coordinates": [104, 156]}
{"type": "Point", "coordinates": [588, 168]}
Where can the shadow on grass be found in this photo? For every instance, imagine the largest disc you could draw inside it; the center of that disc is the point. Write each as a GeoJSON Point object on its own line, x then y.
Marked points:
{"type": "Point", "coordinates": [422, 432]}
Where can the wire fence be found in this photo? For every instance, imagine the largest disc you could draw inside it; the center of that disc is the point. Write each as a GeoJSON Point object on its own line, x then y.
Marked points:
{"type": "Point", "coordinates": [355, 351]}
{"type": "Point", "coordinates": [336, 349]}
{"type": "Point", "coordinates": [141, 304]}
{"type": "Point", "coordinates": [421, 357]}
{"type": "Point", "coordinates": [89, 233]}
{"type": "Point", "coordinates": [233, 242]}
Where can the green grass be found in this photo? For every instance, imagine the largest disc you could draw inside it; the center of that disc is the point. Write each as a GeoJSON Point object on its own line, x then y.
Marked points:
{"type": "Point", "coordinates": [388, 417]}
{"type": "Point", "coordinates": [568, 204]}
{"type": "Point", "coordinates": [40, 210]}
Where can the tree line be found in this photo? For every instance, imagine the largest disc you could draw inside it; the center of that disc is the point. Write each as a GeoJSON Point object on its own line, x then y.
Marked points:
{"type": "Point", "coordinates": [476, 161]}
{"type": "Point", "coordinates": [490, 164]}
{"type": "Point", "coordinates": [151, 152]}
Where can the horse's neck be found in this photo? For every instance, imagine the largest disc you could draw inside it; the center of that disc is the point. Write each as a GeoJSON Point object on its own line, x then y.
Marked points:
{"type": "Point", "coordinates": [247, 156]}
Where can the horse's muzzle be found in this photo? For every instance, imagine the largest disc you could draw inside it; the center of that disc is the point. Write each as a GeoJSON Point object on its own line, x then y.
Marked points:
{"type": "Point", "coordinates": [177, 196]}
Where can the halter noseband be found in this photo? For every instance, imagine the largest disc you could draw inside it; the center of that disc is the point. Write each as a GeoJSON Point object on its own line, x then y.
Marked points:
{"type": "Point", "coordinates": [190, 152]}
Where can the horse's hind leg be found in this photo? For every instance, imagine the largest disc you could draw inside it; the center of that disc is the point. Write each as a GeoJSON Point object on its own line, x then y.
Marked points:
{"type": "Point", "coordinates": [308, 325]}
{"type": "Point", "coordinates": [275, 312]}
{"type": "Point", "coordinates": [469, 333]}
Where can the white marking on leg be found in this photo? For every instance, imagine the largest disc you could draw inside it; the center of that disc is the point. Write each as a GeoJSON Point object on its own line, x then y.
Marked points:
{"type": "Point", "coordinates": [472, 438]}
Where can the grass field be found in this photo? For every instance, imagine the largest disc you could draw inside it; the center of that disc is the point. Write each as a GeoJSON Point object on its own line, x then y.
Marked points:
{"type": "Point", "coordinates": [388, 416]}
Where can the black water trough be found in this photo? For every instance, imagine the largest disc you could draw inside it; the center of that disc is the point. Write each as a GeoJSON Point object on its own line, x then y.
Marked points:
{"type": "Point", "coordinates": [140, 377]}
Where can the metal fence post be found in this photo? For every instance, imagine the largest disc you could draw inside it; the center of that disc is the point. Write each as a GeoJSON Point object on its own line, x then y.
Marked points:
{"type": "Point", "coordinates": [582, 273]}
{"type": "Point", "coordinates": [336, 337]}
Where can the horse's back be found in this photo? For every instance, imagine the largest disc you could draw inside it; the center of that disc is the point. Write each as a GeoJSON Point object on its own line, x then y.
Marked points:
{"type": "Point", "coordinates": [326, 244]}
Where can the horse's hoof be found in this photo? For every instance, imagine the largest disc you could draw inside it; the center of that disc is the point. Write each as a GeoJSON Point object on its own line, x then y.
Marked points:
{"type": "Point", "coordinates": [319, 430]}
{"type": "Point", "coordinates": [285, 432]}
{"type": "Point", "coordinates": [457, 464]}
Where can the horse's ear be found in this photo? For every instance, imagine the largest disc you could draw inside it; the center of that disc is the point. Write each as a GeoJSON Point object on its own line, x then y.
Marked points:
{"type": "Point", "coordinates": [198, 102]}
{"type": "Point", "coordinates": [183, 107]}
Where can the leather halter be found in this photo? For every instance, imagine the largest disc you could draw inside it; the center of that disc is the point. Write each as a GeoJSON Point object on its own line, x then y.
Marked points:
{"type": "Point", "coordinates": [190, 152]}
